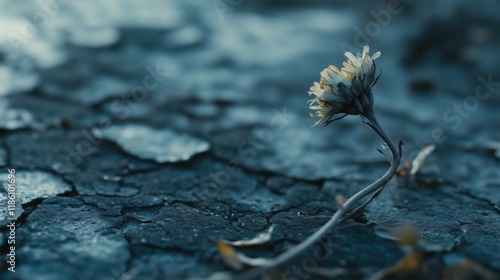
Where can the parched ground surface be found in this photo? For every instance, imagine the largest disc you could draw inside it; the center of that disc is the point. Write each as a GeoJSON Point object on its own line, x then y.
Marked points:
{"type": "Point", "coordinates": [142, 132]}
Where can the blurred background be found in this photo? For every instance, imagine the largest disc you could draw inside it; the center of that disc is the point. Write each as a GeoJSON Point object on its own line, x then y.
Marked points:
{"type": "Point", "coordinates": [95, 92]}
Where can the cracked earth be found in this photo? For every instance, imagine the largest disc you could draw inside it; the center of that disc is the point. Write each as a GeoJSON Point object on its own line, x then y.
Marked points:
{"type": "Point", "coordinates": [141, 138]}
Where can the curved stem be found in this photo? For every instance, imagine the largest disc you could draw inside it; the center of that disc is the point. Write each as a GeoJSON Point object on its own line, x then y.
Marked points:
{"type": "Point", "coordinates": [334, 220]}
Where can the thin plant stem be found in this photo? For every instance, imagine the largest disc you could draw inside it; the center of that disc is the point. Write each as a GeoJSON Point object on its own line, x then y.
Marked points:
{"type": "Point", "coordinates": [335, 219]}
{"type": "Point", "coordinates": [359, 208]}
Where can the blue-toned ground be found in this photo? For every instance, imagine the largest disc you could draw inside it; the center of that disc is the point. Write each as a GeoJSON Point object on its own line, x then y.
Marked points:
{"type": "Point", "coordinates": [143, 131]}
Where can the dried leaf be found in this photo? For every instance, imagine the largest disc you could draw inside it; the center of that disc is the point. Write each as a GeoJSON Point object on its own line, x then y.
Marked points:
{"type": "Point", "coordinates": [261, 238]}
{"type": "Point", "coordinates": [404, 169]}
{"type": "Point", "coordinates": [410, 168]}
{"type": "Point", "coordinates": [237, 260]}
{"type": "Point", "coordinates": [420, 158]}
{"type": "Point", "coordinates": [411, 264]}
{"type": "Point", "coordinates": [406, 235]}
{"type": "Point", "coordinates": [229, 255]}
{"type": "Point", "coordinates": [253, 261]}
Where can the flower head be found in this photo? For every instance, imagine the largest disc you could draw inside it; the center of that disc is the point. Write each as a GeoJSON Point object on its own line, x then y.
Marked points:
{"type": "Point", "coordinates": [346, 91]}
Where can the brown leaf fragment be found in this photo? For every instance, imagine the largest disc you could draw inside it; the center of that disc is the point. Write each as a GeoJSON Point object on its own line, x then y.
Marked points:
{"type": "Point", "coordinates": [406, 236]}
{"type": "Point", "coordinates": [410, 168]}
{"type": "Point", "coordinates": [229, 255]}
{"type": "Point", "coordinates": [412, 265]}
{"type": "Point", "coordinates": [404, 170]}
{"type": "Point", "coordinates": [237, 261]}
{"type": "Point", "coordinates": [409, 267]}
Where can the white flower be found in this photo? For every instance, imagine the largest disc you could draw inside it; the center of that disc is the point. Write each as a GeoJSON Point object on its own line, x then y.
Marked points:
{"type": "Point", "coordinates": [345, 91]}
